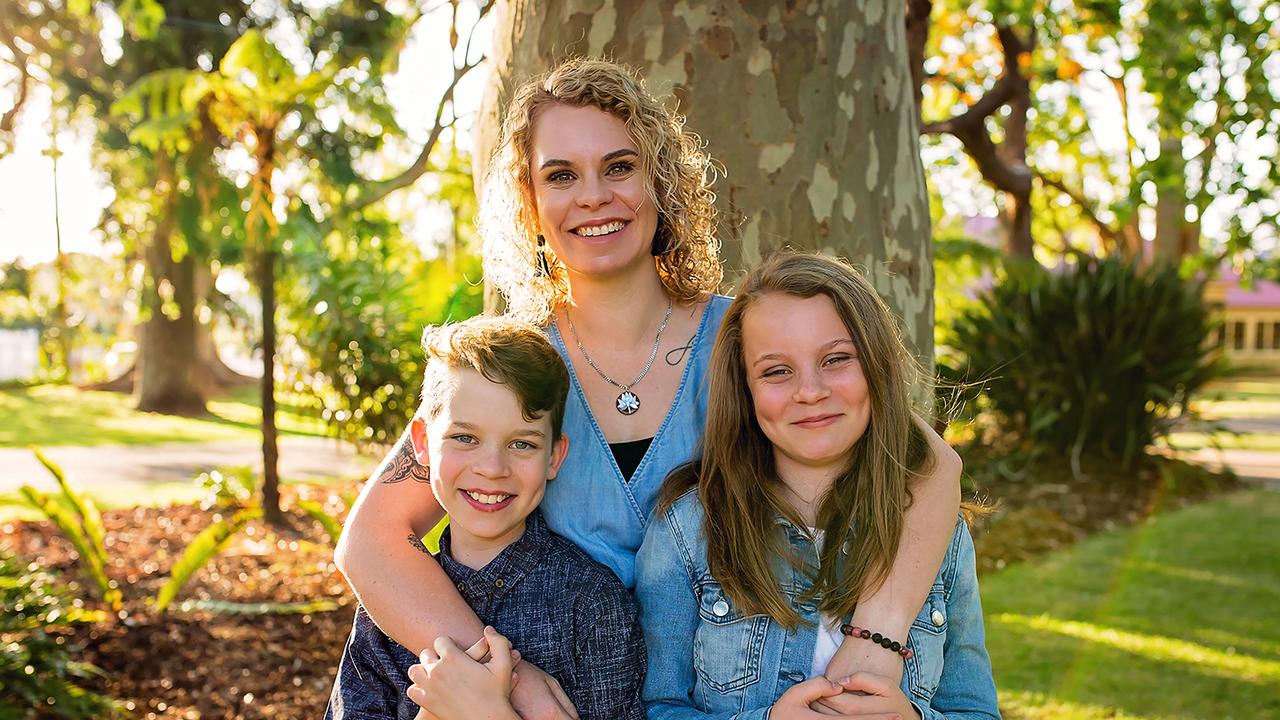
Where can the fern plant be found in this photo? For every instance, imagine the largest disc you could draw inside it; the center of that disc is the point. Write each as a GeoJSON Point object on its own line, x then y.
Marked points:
{"type": "Point", "coordinates": [203, 548]}
{"type": "Point", "coordinates": [39, 675]}
{"type": "Point", "coordinates": [78, 519]}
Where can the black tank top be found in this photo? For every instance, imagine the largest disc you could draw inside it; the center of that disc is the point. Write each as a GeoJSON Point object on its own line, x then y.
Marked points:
{"type": "Point", "coordinates": [629, 454]}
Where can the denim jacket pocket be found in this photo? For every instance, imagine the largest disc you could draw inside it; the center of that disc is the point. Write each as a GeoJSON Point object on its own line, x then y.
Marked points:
{"type": "Point", "coordinates": [727, 645]}
{"type": "Point", "coordinates": [926, 639]}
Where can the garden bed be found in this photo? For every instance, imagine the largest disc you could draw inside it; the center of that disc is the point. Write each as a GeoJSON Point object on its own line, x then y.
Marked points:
{"type": "Point", "coordinates": [196, 663]}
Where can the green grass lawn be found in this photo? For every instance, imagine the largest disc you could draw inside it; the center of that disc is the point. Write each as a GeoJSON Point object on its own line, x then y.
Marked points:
{"type": "Point", "coordinates": [1174, 618]}
{"type": "Point", "coordinates": [47, 415]}
{"type": "Point", "coordinates": [1243, 441]}
{"type": "Point", "coordinates": [1240, 398]}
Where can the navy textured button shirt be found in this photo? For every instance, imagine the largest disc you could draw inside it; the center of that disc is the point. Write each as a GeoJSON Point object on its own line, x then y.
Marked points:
{"type": "Point", "coordinates": [563, 611]}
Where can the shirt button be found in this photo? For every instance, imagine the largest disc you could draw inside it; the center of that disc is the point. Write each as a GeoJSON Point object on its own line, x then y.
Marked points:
{"type": "Point", "coordinates": [937, 617]}
{"type": "Point", "coordinates": [795, 677]}
{"type": "Point", "coordinates": [461, 587]}
{"type": "Point", "coordinates": [498, 583]}
{"type": "Point", "coordinates": [721, 608]}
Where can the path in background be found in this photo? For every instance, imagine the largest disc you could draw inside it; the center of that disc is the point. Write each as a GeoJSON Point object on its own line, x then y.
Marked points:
{"type": "Point", "coordinates": [122, 467]}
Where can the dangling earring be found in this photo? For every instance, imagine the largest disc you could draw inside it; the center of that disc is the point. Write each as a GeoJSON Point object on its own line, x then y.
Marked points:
{"type": "Point", "coordinates": [544, 266]}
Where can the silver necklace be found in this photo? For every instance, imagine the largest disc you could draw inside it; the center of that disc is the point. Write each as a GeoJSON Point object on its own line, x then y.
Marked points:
{"type": "Point", "coordinates": [628, 402]}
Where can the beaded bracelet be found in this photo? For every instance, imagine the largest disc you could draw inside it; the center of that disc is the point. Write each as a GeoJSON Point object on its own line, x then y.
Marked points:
{"type": "Point", "coordinates": [877, 638]}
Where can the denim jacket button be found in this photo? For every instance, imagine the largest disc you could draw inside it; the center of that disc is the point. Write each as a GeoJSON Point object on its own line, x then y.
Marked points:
{"type": "Point", "coordinates": [794, 677]}
{"type": "Point", "coordinates": [938, 618]}
{"type": "Point", "coordinates": [721, 608]}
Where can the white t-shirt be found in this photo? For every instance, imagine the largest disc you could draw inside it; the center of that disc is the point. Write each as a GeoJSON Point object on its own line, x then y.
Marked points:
{"type": "Point", "coordinates": [829, 636]}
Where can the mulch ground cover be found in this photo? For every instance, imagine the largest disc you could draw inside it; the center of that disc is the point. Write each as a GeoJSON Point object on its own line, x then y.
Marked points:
{"type": "Point", "coordinates": [200, 664]}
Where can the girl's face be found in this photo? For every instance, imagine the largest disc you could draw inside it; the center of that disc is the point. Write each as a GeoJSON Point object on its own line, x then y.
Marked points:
{"type": "Point", "coordinates": [811, 397]}
{"type": "Point", "coordinates": [589, 191]}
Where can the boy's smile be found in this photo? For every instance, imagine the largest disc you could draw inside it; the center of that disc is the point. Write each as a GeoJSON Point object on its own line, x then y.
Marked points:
{"type": "Point", "coordinates": [489, 465]}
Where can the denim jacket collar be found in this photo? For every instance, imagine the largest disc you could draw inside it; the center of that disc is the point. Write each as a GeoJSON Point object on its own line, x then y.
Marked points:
{"type": "Point", "coordinates": [504, 572]}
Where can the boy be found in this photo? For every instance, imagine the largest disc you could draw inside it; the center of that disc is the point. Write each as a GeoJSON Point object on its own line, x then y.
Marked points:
{"type": "Point", "coordinates": [488, 430]}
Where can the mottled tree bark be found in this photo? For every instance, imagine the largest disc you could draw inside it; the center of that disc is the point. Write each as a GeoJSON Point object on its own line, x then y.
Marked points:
{"type": "Point", "coordinates": [809, 106]}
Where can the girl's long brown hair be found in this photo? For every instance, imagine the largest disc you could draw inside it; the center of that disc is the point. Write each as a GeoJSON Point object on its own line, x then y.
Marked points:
{"type": "Point", "coordinates": [737, 479]}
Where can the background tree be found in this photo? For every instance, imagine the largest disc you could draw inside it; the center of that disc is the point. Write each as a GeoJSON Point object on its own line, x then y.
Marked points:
{"type": "Point", "coordinates": [809, 106]}
{"type": "Point", "coordinates": [259, 101]}
{"type": "Point", "coordinates": [1145, 118]}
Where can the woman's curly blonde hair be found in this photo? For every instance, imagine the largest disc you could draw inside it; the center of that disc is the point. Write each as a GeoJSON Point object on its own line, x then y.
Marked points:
{"type": "Point", "coordinates": [678, 180]}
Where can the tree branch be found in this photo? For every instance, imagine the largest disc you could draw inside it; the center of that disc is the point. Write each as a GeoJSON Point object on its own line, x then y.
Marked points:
{"type": "Point", "coordinates": [1105, 231]}
{"type": "Point", "coordinates": [20, 59]}
{"type": "Point", "coordinates": [1007, 174]}
{"type": "Point", "coordinates": [380, 190]}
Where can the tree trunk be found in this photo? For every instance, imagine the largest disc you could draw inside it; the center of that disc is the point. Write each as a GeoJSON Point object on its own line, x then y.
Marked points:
{"type": "Point", "coordinates": [809, 106]}
{"type": "Point", "coordinates": [1018, 242]}
{"type": "Point", "coordinates": [1171, 202]}
{"type": "Point", "coordinates": [270, 453]}
{"type": "Point", "coordinates": [166, 378]}
{"type": "Point", "coordinates": [262, 226]}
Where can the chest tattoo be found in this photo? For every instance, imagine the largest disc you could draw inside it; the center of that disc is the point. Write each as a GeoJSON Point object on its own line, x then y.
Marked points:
{"type": "Point", "coordinates": [675, 356]}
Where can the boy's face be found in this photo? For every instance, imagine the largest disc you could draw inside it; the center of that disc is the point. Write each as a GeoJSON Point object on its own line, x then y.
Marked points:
{"type": "Point", "coordinates": [489, 465]}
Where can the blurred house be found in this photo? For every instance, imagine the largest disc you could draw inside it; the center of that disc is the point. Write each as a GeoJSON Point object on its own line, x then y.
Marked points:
{"type": "Point", "coordinates": [1250, 332]}
{"type": "Point", "coordinates": [19, 354]}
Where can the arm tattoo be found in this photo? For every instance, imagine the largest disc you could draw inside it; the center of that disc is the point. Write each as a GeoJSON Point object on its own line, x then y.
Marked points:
{"type": "Point", "coordinates": [682, 350]}
{"type": "Point", "coordinates": [402, 465]}
{"type": "Point", "coordinates": [416, 542]}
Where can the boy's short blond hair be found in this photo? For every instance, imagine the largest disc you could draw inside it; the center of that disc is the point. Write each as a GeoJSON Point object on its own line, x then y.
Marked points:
{"type": "Point", "coordinates": [505, 351]}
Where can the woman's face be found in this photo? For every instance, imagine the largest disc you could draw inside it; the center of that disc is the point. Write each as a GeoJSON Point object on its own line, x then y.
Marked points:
{"type": "Point", "coordinates": [589, 191]}
{"type": "Point", "coordinates": [811, 397]}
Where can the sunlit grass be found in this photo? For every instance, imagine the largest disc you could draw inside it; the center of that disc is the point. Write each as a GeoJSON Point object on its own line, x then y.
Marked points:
{"type": "Point", "coordinates": [1251, 398]}
{"type": "Point", "coordinates": [48, 415]}
{"type": "Point", "coordinates": [1225, 663]}
{"type": "Point", "coordinates": [1259, 407]}
{"type": "Point", "coordinates": [1173, 618]}
{"type": "Point", "coordinates": [1228, 441]}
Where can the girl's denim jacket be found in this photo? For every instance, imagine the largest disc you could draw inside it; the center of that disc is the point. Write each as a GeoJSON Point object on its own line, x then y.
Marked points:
{"type": "Point", "coordinates": [706, 659]}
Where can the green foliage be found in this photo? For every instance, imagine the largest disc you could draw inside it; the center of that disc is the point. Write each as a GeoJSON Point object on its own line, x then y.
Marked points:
{"type": "Point", "coordinates": [39, 676]}
{"type": "Point", "coordinates": [359, 309]}
{"type": "Point", "coordinates": [1099, 358]}
{"type": "Point", "coordinates": [316, 512]}
{"type": "Point", "coordinates": [228, 487]}
{"type": "Point", "coordinates": [203, 548]}
{"type": "Point", "coordinates": [78, 519]}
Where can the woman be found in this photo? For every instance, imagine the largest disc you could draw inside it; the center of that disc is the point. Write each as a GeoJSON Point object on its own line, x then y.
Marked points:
{"type": "Point", "coordinates": [759, 553]}
{"type": "Point", "coordinates": [599, 225]}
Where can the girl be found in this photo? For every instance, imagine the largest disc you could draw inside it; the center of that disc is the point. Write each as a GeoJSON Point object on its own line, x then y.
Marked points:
{"type": "Point", "coordinates": [599, 225]}
{"type": "Point", "coordinates": [759, 553]}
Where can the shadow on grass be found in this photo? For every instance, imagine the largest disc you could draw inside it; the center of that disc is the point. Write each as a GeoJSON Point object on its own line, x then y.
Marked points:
{"type": "Point", "coordinates": [1172, 618]}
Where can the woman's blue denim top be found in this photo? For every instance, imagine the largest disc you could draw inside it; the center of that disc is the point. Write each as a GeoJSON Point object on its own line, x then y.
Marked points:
{"type": "Point", "coordinates": [589, 502]}
{"type": "Point", "coordinates": [709, 660]}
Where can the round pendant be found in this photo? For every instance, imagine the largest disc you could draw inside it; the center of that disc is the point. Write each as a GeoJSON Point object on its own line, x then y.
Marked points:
{"type": "Point", "coordinates": [628, 403]}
